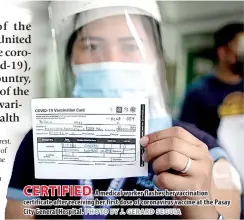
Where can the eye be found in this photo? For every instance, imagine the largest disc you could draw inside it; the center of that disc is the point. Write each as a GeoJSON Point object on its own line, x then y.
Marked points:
{"type": "Point", "coordinates": [90, 46]}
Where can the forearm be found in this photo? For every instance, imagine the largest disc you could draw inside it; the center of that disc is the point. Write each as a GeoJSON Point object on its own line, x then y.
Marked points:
{"type": "Point", "coordinates": [223, 188]}
{"type": "Point", "coordinates": [15, 210]}
{"type": "Point", "coordinates": [226, 185]}
{"type": "Point", "coordinates": [233, 210]}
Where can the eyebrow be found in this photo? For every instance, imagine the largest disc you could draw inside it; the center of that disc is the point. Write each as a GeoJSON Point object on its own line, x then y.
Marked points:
{"type": "Point", "coordinates": [93, 38]}
{"type": "Point", "coordinates": [90, 38]}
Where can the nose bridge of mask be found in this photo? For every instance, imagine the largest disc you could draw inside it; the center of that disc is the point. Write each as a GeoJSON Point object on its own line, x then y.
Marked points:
{"type": "Point", "coordinates": [126, 80]}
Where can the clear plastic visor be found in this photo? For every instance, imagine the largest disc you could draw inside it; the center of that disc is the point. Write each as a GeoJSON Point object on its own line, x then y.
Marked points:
{"type": "Point", "coordinates": [113, 53]}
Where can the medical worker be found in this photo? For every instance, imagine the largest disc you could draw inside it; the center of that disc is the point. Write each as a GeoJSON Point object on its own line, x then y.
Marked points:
{"type": "Point", "coordinates": [112, 49]}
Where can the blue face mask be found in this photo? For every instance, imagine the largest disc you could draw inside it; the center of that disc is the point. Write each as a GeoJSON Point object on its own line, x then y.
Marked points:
{"type": "Point", "coordinates": [117, 80]}
{"type": "Point", "coordinates": [110, 80]}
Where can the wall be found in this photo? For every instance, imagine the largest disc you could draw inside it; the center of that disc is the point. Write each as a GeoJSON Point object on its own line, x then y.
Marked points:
{"type": "Point", "coordinates": [184, 26]}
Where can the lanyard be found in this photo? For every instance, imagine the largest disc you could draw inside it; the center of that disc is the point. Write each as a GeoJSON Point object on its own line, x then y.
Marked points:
{"type": "Point", "coordinates": [116, 185]}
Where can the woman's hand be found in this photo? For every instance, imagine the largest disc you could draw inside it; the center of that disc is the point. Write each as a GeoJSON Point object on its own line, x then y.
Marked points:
{"type": "Point", "coordinates": [171, 149]}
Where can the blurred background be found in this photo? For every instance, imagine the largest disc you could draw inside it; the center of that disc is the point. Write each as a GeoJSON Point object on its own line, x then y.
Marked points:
{"type": "Point", "coordinates": [188, 29]}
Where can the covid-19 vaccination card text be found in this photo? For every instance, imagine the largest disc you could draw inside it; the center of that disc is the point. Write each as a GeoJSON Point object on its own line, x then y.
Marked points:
{"type": "Point", "coordinates": [89, 138]}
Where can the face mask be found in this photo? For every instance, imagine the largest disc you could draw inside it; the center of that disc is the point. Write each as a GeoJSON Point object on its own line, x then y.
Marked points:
{"type": "Point", "coordinates": [121, 80]}
{"type": "Point", "coordinates": [112, 80]}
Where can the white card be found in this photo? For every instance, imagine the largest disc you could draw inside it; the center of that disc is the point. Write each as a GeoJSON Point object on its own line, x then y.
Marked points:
{"type": "Point", "coordinates": [89, 138]}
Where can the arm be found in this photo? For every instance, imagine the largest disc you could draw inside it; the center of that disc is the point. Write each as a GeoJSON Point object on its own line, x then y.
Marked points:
{"type": "Point", "coordinates": [14, 210]}
{"type": "Point", "coordinates": [226, 185]}
{"type": "Point", "coordinates": [22, 175]}
{"type": "Point", "coordinates": [226, 181]}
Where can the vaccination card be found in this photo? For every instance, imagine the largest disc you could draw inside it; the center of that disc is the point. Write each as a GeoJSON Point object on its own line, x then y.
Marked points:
{"type": "Point", "coordinates": [81, 138]}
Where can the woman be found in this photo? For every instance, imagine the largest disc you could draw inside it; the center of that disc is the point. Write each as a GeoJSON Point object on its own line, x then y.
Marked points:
{"type": "Point", "coordinates": [114, 50]}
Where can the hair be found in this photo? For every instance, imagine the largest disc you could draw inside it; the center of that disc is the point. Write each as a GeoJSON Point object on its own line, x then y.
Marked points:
{"type": "Point", "coordinates": [69, 77]}
{"type": "Point", "coordinates": [226, 34]}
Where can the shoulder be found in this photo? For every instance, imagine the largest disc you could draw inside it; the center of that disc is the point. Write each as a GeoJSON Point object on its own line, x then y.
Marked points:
{"type": "Point", "coordinates": [26, 148]}
{"type": "Point", "coordinates": [214, 148]}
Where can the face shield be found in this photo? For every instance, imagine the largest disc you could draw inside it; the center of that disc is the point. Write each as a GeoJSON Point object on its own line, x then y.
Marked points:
{"type": "Point", "coordinates": [111, 50]}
